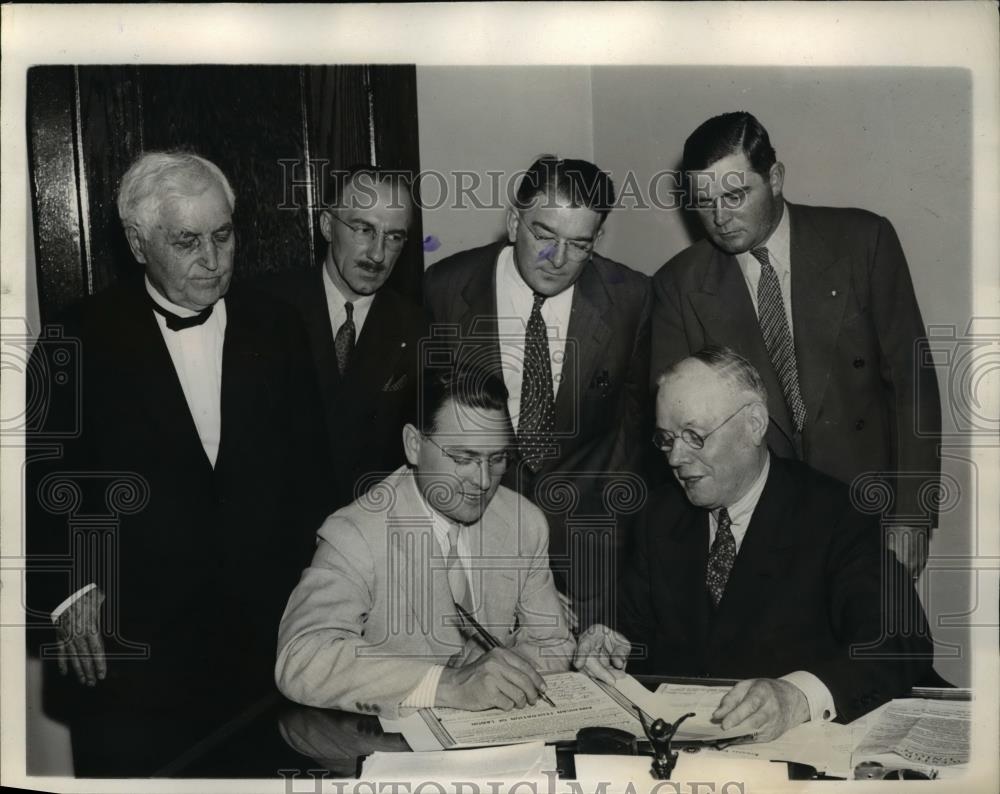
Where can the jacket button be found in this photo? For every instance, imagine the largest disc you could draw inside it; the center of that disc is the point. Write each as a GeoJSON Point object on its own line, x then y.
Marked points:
{"type": "Point", "coordinates": [859, 362]}
{"type": "Point", "coordinates": [859, 425]}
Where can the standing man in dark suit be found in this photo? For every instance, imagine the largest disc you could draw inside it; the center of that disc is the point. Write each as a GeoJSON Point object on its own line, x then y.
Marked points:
{"type": "Point", "coordinates": [762, 571]}
{"type": "Point", "coordinates": [165, 541]}
{"type": "Point", "coordinates": [821, 302]}
{"type": "Point", "coordinates": [569, 331]}
{"type": "Point", "coordinates": [364, 336]}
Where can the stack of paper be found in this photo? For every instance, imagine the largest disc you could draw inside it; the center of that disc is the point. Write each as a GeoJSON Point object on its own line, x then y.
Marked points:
{"type": "Point", "coordinates": [529, 762]}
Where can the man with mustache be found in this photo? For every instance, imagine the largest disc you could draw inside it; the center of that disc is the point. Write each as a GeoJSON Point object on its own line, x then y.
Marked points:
{"type": "Point", "coordinates": [568, 331]}
{"type": "Point", "coordinates": [373, 626]}
{"type": "Point", "coordinates": [821, 301]}
{"type": "Point", "coordinates": [762, 571]}
{"type": "Point", "coordinates": [363, 335]}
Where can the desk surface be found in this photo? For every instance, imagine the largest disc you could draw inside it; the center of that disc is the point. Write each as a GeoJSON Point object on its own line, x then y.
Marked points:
{"type": "Point", "coordinates": [276, 738]}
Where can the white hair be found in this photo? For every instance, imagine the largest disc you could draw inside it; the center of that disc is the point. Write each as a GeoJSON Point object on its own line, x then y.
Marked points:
{"type": "Point", "coordinates": [156, 175]}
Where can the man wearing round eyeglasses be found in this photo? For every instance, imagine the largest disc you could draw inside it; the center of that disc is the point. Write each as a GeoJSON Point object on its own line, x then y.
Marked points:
{"type": "Point", "coordinates": [364, 336]}
{"type": "Point", "coordinates": [376, 622]}
{"type": "Point", "coordinates": [568, 330]}
{"type": "Point", "coordinates": [765, 573]}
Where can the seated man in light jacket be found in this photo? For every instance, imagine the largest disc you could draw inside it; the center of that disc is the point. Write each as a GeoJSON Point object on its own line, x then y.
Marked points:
{"type": "Point", "coordinates": [373, 623]}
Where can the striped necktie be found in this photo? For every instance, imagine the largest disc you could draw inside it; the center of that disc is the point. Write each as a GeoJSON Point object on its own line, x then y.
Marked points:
{"type": "Point", "coordinates": [777, 337]}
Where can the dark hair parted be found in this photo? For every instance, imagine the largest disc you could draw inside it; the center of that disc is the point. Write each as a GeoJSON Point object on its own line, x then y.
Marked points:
{"type": "Point", "coordinates": [579, 182]}
{"type": "Point", "coordinates": [728, 134]}
{"type": "Point", "coordinates": [468, 386]}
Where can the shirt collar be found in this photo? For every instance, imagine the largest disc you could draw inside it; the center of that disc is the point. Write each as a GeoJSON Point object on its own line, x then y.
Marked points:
{"type": "Point", "coordinates": [742, 509]}
{"type": "Point", "coordinates": [519, 291]}
{"type": "Point", "coordinates": [163, 303]}
{"type": "Point", "coordinates": [441, 526]}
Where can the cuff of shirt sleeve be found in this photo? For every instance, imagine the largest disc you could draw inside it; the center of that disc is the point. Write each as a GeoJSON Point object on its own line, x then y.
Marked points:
{"type": "Point", "coordinates": [821, 707]}
{"type": "Point", "coordinates": [66, 604]}
{"type": "Point", "coordinates": [423, 694]}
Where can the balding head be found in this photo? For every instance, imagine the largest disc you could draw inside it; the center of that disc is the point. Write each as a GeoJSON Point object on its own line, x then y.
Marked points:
{"type": "Point", "coordinates": [711, 418]}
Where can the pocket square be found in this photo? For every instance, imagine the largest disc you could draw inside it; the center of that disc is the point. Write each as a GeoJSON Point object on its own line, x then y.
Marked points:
{"type": "Point", "coordinates": [395, 384]}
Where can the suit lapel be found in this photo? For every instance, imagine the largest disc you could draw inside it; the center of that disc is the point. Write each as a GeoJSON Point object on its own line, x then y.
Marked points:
{"type": "Point", "coordinates": [316, 316]}
{"type": "Point", "coordinates": [761, 559]}
{"type": "Point", "coordinates": [378, 348]}
{"type": "Point", "coordinates": [491, 541]}
{"type": "Point", "coordinates": [416, 566]}
{"type": "Point", "coordinates": [158, 384]}
{"type": "Point", "coordinates": [724, 307]}
{"type": "Point", "coordinates": [478, 321]}
{"type": "Point", "coordinates": [586, 339]}
{"type": "Point", "coordinates": [244, 385]}
{"type": "Point", "coordinates": [820, 285]}
{"type": "Point", "coordinates": [678, 589]}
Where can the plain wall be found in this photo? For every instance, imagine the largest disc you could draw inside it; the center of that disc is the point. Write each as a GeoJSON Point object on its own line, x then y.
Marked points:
{"type": "Point", "coordinates": [482, 118]}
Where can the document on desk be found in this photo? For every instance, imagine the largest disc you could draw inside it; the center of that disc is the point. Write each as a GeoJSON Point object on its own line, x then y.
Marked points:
{"type": "Point", "coordinates": [932, 732]}
{"type": "Point", "coordinates": [671, 701]}
{"type": "Point", "coordinates": [529, 761]}
{"type": "Point", "coordinates": [580, 702]}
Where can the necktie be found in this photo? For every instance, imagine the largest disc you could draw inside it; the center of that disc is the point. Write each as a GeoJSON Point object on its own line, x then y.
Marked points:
{"type": "Point", "coordinates": [343, 342]}
{"type": "Point", "coordinates": [457, 579]}
{"type": "Point", "coordinates": [777, 337]}
{"type": "Point", "coordinates": [721, 557]}
{"type": "Point", "coordinates": [177, 323]}
{"type": "Point", "coordinates": [538, 410]}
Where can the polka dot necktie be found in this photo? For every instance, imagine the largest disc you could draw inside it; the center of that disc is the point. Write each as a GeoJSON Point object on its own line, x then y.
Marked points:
{"type": "Point", "coordinates": [536, 422]}
{"type": "Point", "coordinates": [343, 342]}
{"type": "Point", "coordinates": [721, 558]}
{"type": "Point", "coordinates": [778, 337]}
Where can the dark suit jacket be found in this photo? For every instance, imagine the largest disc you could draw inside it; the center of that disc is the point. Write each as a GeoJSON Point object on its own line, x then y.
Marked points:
{"type": "Point", "coordinates": [858, 335]}
{"type": "Point", "coordinates": [196, 562]}
{"type": "Point", "coordinates": [811, 586]}
{"type": "Point", "coordinates": [602, 403]}
{"type": "Point", "coordinates": [367, 407]}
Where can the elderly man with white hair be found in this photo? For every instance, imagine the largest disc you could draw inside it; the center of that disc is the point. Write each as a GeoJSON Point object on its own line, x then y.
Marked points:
{"type": "Point", "coordinates": [762, 571]}
{"type": "Point", "coordinates": [200, 400]}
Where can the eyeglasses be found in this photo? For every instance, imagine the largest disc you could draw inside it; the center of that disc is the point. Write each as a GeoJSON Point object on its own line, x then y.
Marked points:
{"type": "Point", "coordinates": [495, 463]}
{"type": "Point", "coordinates": [576, 250]}
{"type": "Point", "coordinates": [664, 440]}
{"type": "Point", "coordinates": [366, 234]}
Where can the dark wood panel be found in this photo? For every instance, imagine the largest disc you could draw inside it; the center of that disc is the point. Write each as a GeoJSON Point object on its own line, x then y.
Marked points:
{"type": "Point", "coordinates": [111, 125]}
{"type": "Point", "coordinates": [397, 146]}
{"type": "Point", "coordinates": [246, 119]}
{"type": "Point", "coordinates": [52, 159]}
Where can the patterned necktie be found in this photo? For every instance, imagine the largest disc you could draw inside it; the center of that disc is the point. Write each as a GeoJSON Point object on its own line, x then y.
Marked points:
{"type": "Point", "coordinates": [343, 342]}
{"type": "Point", "coordinates": [458, 581]}
{"type": "Point", "coordinates": [777, 337]}
{"type": "Point", "coordinates": [538, 409]}
{"type": "Point", "coordinates": [720, 558]}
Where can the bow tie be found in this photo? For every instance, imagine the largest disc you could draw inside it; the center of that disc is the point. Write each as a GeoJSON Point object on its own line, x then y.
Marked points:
{"type": "Point", "coordinates": [177, 323]}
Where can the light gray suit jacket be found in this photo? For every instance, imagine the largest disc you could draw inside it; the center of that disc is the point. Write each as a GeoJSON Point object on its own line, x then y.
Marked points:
{"type": "Point", "coordinates": [374, 611]}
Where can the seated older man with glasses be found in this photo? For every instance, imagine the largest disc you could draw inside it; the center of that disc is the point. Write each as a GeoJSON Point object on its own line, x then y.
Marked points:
{"type": "Point", "coordinates": [377, 621]}
{"type": "Point", "coordinates": [762, 571]}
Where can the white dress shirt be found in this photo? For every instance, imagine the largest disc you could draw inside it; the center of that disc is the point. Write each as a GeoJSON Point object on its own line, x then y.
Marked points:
{"type": "Point", "coordinates": [196, 354]}
{"type": "Point", "coordinates": [514, 302]}
{"type": "Point", "coordinates": [821, 706]}
{"type": "Point", "coordinates": [779, 253]}
{"type": "Point", "coordinates": [424, 693]}
{"type": "Point", "coordinates": [335, 301]}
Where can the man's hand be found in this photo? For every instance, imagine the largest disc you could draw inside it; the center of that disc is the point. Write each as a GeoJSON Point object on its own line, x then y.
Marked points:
{"type": "Point", "coordinates": [80, 643]}
{"type": "Point", "coordinates": [499, 679]}
{"type": "Point", "coordinates": [601, 653]}
{"type": "Point", "coordinates": [766, 707]}
{"type": "Point", "coordinates": [567, 604]}
{"type": "Point", "coordinates": [910, 545]}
